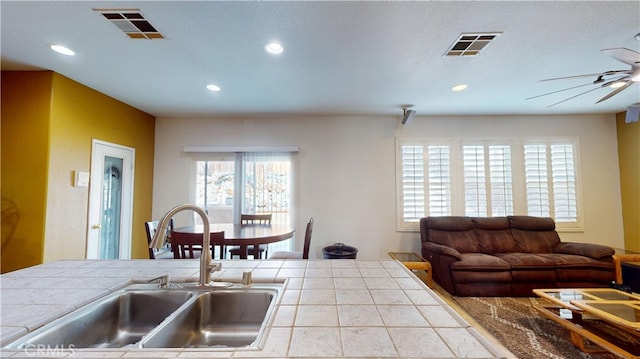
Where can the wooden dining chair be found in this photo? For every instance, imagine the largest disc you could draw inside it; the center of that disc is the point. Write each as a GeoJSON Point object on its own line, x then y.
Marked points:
{"type": "Point", "coordinates": [246, 219]}
{"type": "Point", "coordinates": [255, 218]}
{"type": "Point", "coordinates": [296, 254]}
{"type": "Point", "coordinates": [151, 227]}
{"type": "Point", "coordinates": [189, 245]}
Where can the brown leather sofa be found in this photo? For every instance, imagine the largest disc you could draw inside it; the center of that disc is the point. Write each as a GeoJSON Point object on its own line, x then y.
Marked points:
{"type": "Point", "coordinates": [509, 256]}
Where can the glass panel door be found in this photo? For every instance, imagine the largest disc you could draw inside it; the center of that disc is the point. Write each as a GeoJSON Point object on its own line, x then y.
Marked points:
{"type": "Point", "coordinates": [109, 229]}
{"type": "Point", "coordinates": [111, 208]}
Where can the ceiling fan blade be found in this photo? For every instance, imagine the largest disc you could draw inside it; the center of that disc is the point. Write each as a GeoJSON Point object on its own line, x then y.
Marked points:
{"type": "Point", "coordinates": [625, 55]}
{"type": "Point", "coordinates": [616, 91]}
{"type": "Point", "coordinates": [567, 99]}
{"type": "Point", "coordinates": [551, 93]}
{"type": "Point", "coordinates": [606, 73]}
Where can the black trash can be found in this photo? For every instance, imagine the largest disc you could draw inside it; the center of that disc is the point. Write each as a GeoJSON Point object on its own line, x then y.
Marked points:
{"type": "Point", "coordinates": [340, 251]}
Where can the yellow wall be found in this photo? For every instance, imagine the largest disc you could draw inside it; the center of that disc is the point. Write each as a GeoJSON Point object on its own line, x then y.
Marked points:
{"type": "Point", "coordinates": [629, 157]}
{"type": "Point", "coordinates": [25, 132]}
{"type": "Point", "coordinates": [78, 114]}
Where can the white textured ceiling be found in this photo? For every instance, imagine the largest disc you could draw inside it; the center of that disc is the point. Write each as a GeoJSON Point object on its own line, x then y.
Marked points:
{"type": "Point", "coordinates": [352, 58]}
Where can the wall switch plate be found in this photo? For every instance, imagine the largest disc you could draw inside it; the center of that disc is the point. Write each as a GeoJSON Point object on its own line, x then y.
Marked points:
{"type": "Point", "coordinates": [81, 179]}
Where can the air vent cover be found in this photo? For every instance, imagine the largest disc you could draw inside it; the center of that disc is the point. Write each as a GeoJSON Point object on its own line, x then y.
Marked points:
{"type": "Point", "coordinates": [470, 44]}
{"type": "Point", "coordinates": [132, 23]}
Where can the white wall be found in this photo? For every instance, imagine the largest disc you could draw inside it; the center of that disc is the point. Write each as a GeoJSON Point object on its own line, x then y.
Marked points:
{"type": "Point", "coordinates": [346, 169]}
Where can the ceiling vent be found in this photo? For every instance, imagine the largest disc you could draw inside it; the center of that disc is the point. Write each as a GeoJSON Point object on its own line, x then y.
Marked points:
{"type": "Point", "coordinates": [470, 44]}
{"type": "Point", "coordinates": [132, 23]}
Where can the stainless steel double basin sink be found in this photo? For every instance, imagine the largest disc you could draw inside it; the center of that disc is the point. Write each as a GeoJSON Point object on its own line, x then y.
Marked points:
{"type": "Point", "coordinates": [172, 317]}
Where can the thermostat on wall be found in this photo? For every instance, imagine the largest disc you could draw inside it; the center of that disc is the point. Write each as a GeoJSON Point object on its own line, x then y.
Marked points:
{"type": "Point", "coordinates": [81, 179]}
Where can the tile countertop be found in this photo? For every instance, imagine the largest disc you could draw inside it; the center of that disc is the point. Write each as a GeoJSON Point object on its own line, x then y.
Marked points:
{"type": "Point", "coordinates": [329, 309]}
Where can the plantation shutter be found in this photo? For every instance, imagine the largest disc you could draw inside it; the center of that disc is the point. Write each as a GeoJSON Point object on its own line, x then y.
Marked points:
{"type": "Point", "coordinates": [412, 183]}
{"type": "Point", "coordinates": [475, 177]}
{"type": "Point", "coordinates": [475, 184]}
{"type": "Point", "coordinates": [551, 181]}
{"type": "Point", "coordinates": [501, 180]}
{"type": "Point", "coordinates": [439, 181]}
{"type": "Point", "coordinates": [536, 180]}
{"type": "Point", "coordinates": [425, 193]}
{"type": "Point", "coordinates": [488, 188]}
{"type": "Point", "coordinates": [564, 183]}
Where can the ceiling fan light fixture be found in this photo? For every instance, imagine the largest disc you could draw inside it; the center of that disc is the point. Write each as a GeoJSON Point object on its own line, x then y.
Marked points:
{"type": "Point", "coordinates": [617, 84]}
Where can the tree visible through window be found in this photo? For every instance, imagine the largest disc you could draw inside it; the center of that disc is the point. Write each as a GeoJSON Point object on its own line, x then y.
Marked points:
{"type": "Point", "coordinates": [248, 183]}
{"type": "Point", "coordinates": [231, 184]}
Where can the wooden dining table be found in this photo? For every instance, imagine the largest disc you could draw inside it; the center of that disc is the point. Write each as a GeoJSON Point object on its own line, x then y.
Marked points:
{"type": "Point", "coordinates": [244, 235]}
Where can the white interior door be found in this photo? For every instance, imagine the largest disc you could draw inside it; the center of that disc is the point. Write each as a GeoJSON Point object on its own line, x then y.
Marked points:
{"type": "Point", "coordinates": [110, 201]}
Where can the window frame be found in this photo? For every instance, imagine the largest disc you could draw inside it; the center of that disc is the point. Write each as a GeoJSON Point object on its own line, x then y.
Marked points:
{"type": "Point", "coordinates": [239, 184]}
{"type": "Point", "coordinates": [238, 157]}
{"type": "Point", "coordinates": [518, 176]}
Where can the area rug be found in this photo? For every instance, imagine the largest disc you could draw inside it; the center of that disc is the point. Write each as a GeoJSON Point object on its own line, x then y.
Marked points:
{"type": "Point", "coordinates": [521, 329]}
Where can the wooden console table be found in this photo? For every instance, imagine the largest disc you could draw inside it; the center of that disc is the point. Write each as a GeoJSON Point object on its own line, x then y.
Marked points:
{"type": "Point", "coordinates": [420, 266]}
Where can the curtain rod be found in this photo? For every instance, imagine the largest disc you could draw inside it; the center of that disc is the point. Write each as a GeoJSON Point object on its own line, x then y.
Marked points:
{"type": "Point", "coordinates": [204, 149]}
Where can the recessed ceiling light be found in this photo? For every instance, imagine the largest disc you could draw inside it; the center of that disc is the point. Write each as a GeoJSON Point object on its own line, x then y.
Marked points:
{"type": "Point", "coordinates": [459, 87]}
{"type": "Point", "coordinates": [212, 87]}
{"type": "Point", "coordinates": [274, 48]}
{"type": "Point", "coordinates": [62, 50]}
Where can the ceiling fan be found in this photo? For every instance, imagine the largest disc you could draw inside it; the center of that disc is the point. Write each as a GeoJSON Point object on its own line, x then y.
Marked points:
{"type": "Point", "coordinates": [618, 80]}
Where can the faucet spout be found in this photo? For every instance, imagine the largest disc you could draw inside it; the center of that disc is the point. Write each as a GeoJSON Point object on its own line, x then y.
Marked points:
{"type": "Point", "coordinates": [205, 258]}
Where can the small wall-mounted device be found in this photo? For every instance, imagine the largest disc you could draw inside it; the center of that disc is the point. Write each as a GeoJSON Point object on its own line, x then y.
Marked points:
{"type": "Point", "coordinates": [633, 112]}
{"type": "Point", "coordinates": [407, 115]}
{"type": "Point", "coordinates": [80, 179]}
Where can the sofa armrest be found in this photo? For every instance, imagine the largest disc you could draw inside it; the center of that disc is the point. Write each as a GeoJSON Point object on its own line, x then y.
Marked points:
{"type": "Point", "coordinates": [442, 250]}
{"type": "Point", "coordinates": [595, 251]}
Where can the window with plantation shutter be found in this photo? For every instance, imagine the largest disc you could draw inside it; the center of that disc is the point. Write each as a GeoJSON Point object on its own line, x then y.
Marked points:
{"type": "Point", "coordinates": [425, 182]}
{"type": "Point", "coordinates": [488, 188]}
{"type": "Point", "coordinates": [439, 183]}
{"type": "Point", "coordinates": [475, 184]}
{"type": "Point", "coordinates": [500, 174]}
{"type": "Point", "coordinates": [476, 177]}
{"type": "Point", "coordinates": [536, 179]}
{"type": "Point", "coordinates": [564, 183]}
{"type": "Point", "coordinates": [551, 182]}
{"type": "Point", "coordinates": [412, 183]}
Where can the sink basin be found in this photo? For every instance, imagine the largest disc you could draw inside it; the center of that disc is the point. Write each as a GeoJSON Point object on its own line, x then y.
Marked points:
{"type": "Point", "coordinates": [176, 317]}
{"type": "Point", "coordinates": [222, 318]}
{"type": "Point", "coordinates": [118, 320]}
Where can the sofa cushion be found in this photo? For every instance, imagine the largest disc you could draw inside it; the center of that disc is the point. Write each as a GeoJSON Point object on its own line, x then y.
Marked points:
{"type": "Point", "coordinates": [572, 270]}
{"type": "Point", "coordinates": [480, 268]}
{"type": "Point", "coordinates": [572, 261]}
{"type": "Point", "coordinates": [534, 234]}
{"type": "Point", "coordinates": [529, 223]}
{"type": "Point", "coordinates": [591, 250]}
{"type": "Point", "coordinates": [452, 231]}
{"type": "Point", "coordinates": [494, 235]}
{"type": "Point", "coordinates": [520, 261]}
{"type": "Point", "coordinates": [528, 267]}
{"type": "Point", "coordinates": [480, 262]}
{"type": "Point", "coordinates": [449, 223]}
